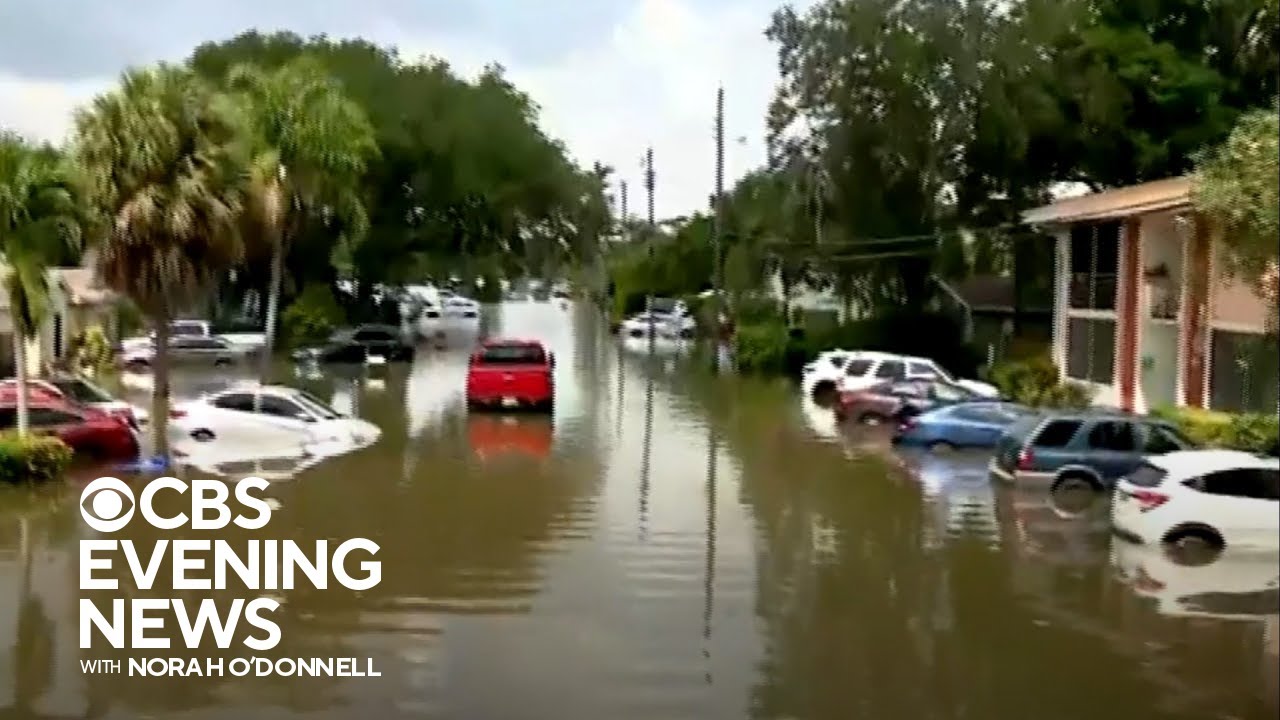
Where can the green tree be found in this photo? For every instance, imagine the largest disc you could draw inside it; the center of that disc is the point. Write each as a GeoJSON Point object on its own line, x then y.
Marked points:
{"type": "Point", "coordinates": [1237, 184]}
{"type": "Point", "coordinates": [311, 147]}
{"type": "Point", "coordinates": [166, 160]}
{"type": "Point", "coordinates": [38, 218]}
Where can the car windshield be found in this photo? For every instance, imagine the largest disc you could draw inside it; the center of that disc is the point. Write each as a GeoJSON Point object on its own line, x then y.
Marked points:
{"type": "Point", "coordinates": [316, 405]}
{"type": "Point", "coordinates": [511, 355]}
{"type": "Point", "coordinates": [82, 390]}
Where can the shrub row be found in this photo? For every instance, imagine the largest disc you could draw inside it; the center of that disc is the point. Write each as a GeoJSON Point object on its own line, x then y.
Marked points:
{"type": "Point", "coordinates": [33, 459]}
{"type": "Point", "coordinates": [1035, 382]}
{"type": "Point", "coordinates": [1251, 432]}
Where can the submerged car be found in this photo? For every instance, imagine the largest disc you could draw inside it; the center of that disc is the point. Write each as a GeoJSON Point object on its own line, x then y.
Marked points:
{"type": "Point", "coordinates": [263, 420]}
{"type": "Point", "coordinates": [188, 349]}
{"type": "Point", "coordinates": [82, 391]}
{"type": "Point", "coordinates": [511, 375]}
{"type": "Point", "coordinates": [964, 425]}
{"type": "Point", "coordinates": [360, 345]}
{"type": "Point", "coordinates": [852, 370]}
{"type": "Point", "coordinates": [888, 401]}
{"type": "Point", "coordinates": [88, 431]}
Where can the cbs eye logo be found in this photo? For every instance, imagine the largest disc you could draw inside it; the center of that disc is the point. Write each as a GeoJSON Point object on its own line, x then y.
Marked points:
{"type": "Point", "coordinates": [103, 504]}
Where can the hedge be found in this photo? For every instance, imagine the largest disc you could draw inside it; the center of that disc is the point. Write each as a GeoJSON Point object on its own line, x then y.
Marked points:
{"type": "Point", "coordinates": [1252, 432]}
{"type": "Point", "coordinates": [33, 459]}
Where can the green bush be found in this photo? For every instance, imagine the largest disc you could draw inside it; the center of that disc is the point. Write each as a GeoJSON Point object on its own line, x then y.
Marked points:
{"type": "Point", "coordinates": [761, 347]}
{"type": "Point", "coordinates": [312, 317]}
{"type": "Point", "coordinates": [33, 459]}
{"type": "Point", "coordinates": [1035, 382]}
{"type": "Point", "coordinates": [1251, 432]}
{"type": "Point", "coordinates": [91, 352]}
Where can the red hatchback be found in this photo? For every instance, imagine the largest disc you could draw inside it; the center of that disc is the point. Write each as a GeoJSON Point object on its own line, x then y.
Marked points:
{"type": "Point", "coordinates": [511, 374]}
{"type": "Point", "coordinates": [91, 432]}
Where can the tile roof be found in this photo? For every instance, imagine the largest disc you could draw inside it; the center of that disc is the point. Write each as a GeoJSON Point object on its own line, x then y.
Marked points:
{"type": "Point", "coordinates": [1122, 202]}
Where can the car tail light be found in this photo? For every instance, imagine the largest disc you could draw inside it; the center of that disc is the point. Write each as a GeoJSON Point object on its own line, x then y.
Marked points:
{"type": "Point", "coordinates": [176, 414]}
{"type": "Point", "coordinates": [1025, 459]}
{"type": "Point", "coordinates": [1149, 499]}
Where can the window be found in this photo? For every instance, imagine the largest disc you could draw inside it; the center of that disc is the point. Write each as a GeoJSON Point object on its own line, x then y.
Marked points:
{"type": "Point", "coordinates": [949, 393]}
{"type": "Point", "coordinates": [904, 389]}
{"type": "Point", "coordinates": [374, 336]}
{"type": "Point", "coordinates": [1113, 435]}
{"type": "Point", "coordinates": [280, 407]}
{"type": "Point", "coordinates": [8, 418]}
{"type": "Point", "coordinates": [47, 417]}
{"type": "Point", "coordinates": [1161, 440]}
{"type": "Point", "coordinates": [1256, 483]}
{"type": "Point", "coordinates": [317, 406]}
{"type": "Point", "coordinates": [858, 368]}
{"type": "Point", "coordinates": [1058, 434]}
{"type": "Point", "coordinates": [919, 369]}
{"type": "Point", "coordinates": [980, 414]}
{"type": "Point", "coordinates": [837, 361]}
{"type": "Point", "coordinates": [1091, 349]}
{"type": "Point", "coordinates": [240, 402]}
{"type": "Point", "coordinates": [1147, 476]}
{"type": "Point", "coordinates": [512, 355]}
{"type": "Point", "coordinates": [186, 328]}
{"type": "Point", "coordinates": [81, 391]}
{"type": "Point", "coordinates": [1095, 263]}
{"type": "Point", "coordinates": [890, 369]}
{"type": "Point", "coordinates": [1245, 372]}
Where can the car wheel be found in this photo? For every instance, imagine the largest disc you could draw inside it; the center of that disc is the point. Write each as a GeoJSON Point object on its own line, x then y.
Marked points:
{"type": "Point", "coordinates": [871, 418]}
{"type": "Point", "coordinates": [1193, 546]}
{"type": "Point", "coordinates": [1074, 493]}
{"type": "Point", "coordinates": [202, 435]}
{"type": "Point", "coordinates": [941, 446]}
{"type": "Point", "coordinates": [1076, 481]}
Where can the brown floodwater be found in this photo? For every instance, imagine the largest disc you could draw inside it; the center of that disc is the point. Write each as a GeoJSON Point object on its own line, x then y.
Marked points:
{"type": "Point", "coordinates": [673, 545]}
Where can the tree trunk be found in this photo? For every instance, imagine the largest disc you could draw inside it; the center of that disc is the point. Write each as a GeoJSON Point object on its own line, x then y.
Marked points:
{"type": "Point", "coordinates": [20, 371]}
{"type": "Point", "coordinates": [273, 308]}
{"type": "Point", "coordinates": [160, 388]}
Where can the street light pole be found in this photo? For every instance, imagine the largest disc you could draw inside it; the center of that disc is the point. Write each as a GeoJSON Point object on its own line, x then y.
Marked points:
{"type": "Point", "coordinates": [653, 229]}
{"type": "Point", "coordinates": [717, 229]}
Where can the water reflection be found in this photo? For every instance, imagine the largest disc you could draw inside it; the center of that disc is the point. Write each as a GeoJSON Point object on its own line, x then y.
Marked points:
{"type": "Point", "coordinates": [669, 545]}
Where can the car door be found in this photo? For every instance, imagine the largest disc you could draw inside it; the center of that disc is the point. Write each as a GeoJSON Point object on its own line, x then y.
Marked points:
{"type": "Point", "coordinates": [1112, 448]}
{"type": "Point", "coordinates": [1242, 504]}
{"type": "Point", "coordinates": [231, 418]}
{"type": "Point", "coordinates": [68, 426]}
{"type": "Point", "coordinates": [979, 426]}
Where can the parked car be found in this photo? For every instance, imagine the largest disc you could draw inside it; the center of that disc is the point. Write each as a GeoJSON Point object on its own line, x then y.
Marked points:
{"type": "Point", "coordinates": [896, 400]}
{"type": "Point", "coordinates": [1087, 448]}
{"type": "Point", "coordinates": [264, 420]}
{"type": "Point", "coordinates": [671, 319]}
{"type": "Point", "coordinates": [859, 369]}
{"type": "Point", "coordinates": [360, 345]}
{"type": "Point", "coordinates": [1219, 497]}
{"type": "Point", "coordinates": [197, 328]}
{"type": "Point", "coordinates": [188, 349]}
{"type": "Point", "coordinates": [511, 374]}
{"type": "Point", "coordinates": [81, 391]}
{"type": "Point", "coordinates": [86, 430]}
{"type": "Point", "coordinates": [966, 425]}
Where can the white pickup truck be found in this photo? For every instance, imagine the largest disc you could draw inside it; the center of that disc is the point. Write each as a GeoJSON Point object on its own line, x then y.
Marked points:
{"type": "Point", "coordinates": [197, 328]}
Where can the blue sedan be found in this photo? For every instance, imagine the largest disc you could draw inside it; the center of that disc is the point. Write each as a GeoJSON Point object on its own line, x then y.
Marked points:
{"type": "Point", "coordinates": [964, 425]}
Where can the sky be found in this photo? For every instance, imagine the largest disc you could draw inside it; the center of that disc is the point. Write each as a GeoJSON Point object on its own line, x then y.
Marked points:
{"type": "Point", "coordinates": [611, 76]}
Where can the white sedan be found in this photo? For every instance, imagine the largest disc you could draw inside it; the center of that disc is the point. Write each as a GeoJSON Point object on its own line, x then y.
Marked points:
{"type": "Point", "coordinates": [861, 369]}
{"type": "Point", "coordinates": [264, 421]}
{"type": "Point", "coordinates": [1223, 498]}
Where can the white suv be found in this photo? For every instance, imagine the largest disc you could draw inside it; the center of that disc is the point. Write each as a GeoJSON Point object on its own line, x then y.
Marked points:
{"type": "Point", "coordinates": [1225, 498]}
{"type": "Point", "coordinates": [859, 369]}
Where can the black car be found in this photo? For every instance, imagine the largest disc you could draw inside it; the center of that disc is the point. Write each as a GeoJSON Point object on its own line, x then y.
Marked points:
{"type": "Point", "coordinates": [358, 344]}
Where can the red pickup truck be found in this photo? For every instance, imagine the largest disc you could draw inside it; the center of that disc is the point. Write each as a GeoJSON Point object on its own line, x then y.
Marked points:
{"type": "Point", "coordinates": [511, 375]}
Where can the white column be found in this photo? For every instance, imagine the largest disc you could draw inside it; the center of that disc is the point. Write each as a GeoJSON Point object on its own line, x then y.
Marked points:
{"type": "Point", "coordinates": [1061, 296]}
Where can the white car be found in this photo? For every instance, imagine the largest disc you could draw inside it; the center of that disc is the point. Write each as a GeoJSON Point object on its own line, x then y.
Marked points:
{"type": "Point", "coordinates": [861, 369]}
{"type": "Point", "coordinates": [265, 421]}
{"type": "Point", "coordinates": [1225, 498]}
{"type": "Point", "coordinates": [1234, 586]}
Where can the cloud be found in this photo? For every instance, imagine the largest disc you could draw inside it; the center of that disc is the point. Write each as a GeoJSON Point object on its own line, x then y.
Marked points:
{"type": "Point", "coordinates": [610, 82]}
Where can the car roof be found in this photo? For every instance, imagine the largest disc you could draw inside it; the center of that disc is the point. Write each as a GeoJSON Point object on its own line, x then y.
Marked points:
{"type": "Point", "coordinates": [253, 386]}
{"type": "Point", "coordinates": [508, 342]}
{"type": "Point", "coordinates": [1191, 463]}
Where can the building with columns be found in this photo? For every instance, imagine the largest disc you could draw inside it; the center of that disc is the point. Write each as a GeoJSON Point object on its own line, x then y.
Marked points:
{"type": "Point", "coordinates": [1144, 310]}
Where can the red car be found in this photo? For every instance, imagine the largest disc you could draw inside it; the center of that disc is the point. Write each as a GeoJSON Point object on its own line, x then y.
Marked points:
{"type": "Point", "coordinates": [511, 375]}
{"type": "Point", "coordinates": [91, 432]}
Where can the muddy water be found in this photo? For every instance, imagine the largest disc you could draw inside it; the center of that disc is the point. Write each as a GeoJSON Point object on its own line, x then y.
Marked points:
{"type": "Point", "coordinates": [671, 546]}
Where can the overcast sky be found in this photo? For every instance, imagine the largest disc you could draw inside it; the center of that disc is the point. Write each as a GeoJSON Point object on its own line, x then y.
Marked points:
{"type": "Point", "coordinates": [612, 76]}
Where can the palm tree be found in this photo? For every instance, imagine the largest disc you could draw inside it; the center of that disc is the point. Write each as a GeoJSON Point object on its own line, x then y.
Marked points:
{"type": "Point", "coordinates": [38, 219]}
{"type": "Point", "coordinates": [311, 147]}
{"type": "Point", "coordinates": [165, 162]}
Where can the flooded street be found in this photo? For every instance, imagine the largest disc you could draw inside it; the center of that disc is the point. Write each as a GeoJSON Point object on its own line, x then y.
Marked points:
{"type": "Point", "coordinates": [673, 545]}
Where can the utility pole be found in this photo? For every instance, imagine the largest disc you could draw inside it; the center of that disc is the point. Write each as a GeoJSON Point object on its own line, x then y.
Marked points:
{"type": "Point", "coordinates": [622, 226]}
{"type": "Point", "coordinates": [717, 230]}
{"type": "Point", "coordinates": [653, 229]}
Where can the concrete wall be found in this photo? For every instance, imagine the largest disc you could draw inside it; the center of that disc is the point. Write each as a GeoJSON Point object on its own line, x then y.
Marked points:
{"type": "Point", "coordinates": [1236, 303]}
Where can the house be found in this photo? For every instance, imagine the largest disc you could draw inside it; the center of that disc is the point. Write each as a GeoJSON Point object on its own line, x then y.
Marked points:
{"type": "Point", "coordinates": [77, 301]}
{"type": "Point", "coordinates": [1144, 310]}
